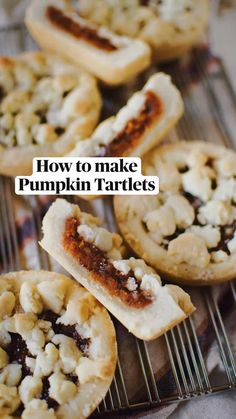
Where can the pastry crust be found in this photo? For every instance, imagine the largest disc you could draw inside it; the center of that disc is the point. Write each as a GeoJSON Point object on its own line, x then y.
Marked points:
{"type": "Point", "coordinates": [141, 124]}
{"type": "Point", "coordinates": [170, 27]}
{"type": "Point", "coordinates": [75, 355]}
{"type": "Point", "coordinates": [46, 106]}
{"type": "Point", "coordinates": [187, 232]}
{"type": "Point", "coordinates": [111, 58]}
{"type": "Point", "coordinates": [129, 289]}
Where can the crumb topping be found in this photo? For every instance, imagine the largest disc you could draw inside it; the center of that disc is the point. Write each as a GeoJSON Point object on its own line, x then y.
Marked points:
{"type": "Point", "coordinates": [46, 333]}
{"type": "Point", "coordinates": [118, 135]}
{"type": "Point", "coordinates": [40, 99]}
{"type": "Point", "coordinates": [100, 251]}
{"type": "Point", "coordinates": [194, 215]}
{"type": "Point", "coordinates": [153, 22]}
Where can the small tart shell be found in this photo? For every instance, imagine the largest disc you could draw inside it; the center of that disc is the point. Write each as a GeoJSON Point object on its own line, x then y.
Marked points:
{"type": "Point", "coordinates": [168, 308]}
{"type": "Point", "coordinates": [17, 160]}
{"type": "Point", "coordinates": [129, 212]}
{"type": "Point", "coordinates": [169, 37]}
{"type": "Point", "coordinates": [90, 393]}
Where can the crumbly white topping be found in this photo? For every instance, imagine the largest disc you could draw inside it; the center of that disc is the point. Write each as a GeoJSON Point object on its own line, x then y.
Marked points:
{"type": "Point", "coordinates": [216, 213]}
{"type": "Point", "coordinates": [30, 388]}
{"type": "Point", "coordinates": [7, 303]}
{"type": "Point", "coordinates": [37, 409]}
{"type": "Point", "coordinates": [210, 234]}
{"type": "Point", "coordinates": [219, 256]}
{"type": "Point", "coordinates": [163, 219]}
{"type": "Point", "coordinates": [197, 181]}
{"type": "Point", "coordinates": [30, 298]}
{"type": "Point", "coordinates": [44, 98]}
{"type": "Point", "coordinates": [109, 129]}
{"type": "Point", "coordinates": [51, 356]}
{"type": "Point", "coordinates": [196, 202]}
{"type": "Point", "coordinates": [106, 241]}
{"type": "Point", "coordinates": [145, 276]}
{"type": "Point", "coordinates": [151, 284]}
{"type": "Point", "coordinates": [189, 248]}
{"type": "Point", "coordinates": [61, 389]}
{"type": "Point", "coordinates": [11, 375]}
{"type": "Point", "coordinates": [9, 400]}
{"type": "Point", "coordinates": [232, 244]}
{"type": "Point", "coordinates": [128, 17]}
{"type": "Point", "coordinates": [183, 211]}
{"type": "Point", "coordinates": [3, 358]}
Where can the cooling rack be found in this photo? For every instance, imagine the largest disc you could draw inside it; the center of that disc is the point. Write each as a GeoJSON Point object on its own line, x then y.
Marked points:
{"type": "Point", "coordinates": [181, 364]}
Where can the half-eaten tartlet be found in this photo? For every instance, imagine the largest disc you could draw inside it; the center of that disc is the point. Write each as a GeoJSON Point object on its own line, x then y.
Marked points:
{"type": "Point", "coordinates": [57, 26]}
{"type": "Point", "coordinates": [170, 27]}
{"type": "Point", "coordinates": [141, 124]}
{"type": "Point", "coordinates": [128, 288]}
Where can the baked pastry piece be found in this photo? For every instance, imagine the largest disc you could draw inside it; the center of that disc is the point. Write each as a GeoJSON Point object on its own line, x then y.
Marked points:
{"type": "Point", "coordinates": [188, 231]}
{"type": "Point", "coordinates": [57, 347]}
{"type": "Point", "coordinates": [57, 26]}
{"type": "Point", "coordinates": [46, 105]}
{"type": "Point", "coordinates": [129, 289]}
{"type": "Point", "coordinates": [170, 27]}
{"type": "Point", "coordinates": [147, 117]}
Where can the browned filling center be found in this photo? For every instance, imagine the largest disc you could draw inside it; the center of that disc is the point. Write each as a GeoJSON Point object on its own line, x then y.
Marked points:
{"type": "Point", "coordinates": [67, 24]}
{"type": "Point", "coordinates": [101, 269]}
{"type": "Point", "coordinates": [226, 231]}
{"type": "Point", "coordinates": [2, 93]}
{"type": "Point", "coordinates": [127, 139]}
{"type": "Point", "coordinates": [17, 351]}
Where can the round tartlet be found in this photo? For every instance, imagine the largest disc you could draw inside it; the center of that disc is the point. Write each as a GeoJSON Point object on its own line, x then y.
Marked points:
{"type": "Point", "coordinates": [57, 347]}
{"type": "Point", "coordinates": [188, 231]}
{"type": "Point", "coordinates": [46, 106]}
{"type": "Point", "coordinates": [170, 27]}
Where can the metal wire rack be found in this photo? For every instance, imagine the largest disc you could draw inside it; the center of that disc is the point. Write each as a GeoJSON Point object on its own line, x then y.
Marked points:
{"type": "Point", "coordinates": [182, 353]}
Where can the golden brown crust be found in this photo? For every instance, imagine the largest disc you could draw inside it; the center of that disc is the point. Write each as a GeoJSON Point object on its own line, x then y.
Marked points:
{"type": "Point", "coordinates": [170, 28]}
{"type": "Point", "coordinates": [47, 105]}
{"type": "Point", "coordinates": [169, 305]}
{"type": "Point", "coordinates": [139, 125]}
{"type": "Point", "coordinates": [113, 66]}
{"type": "Point", "coordinates": [187, 235]}
{"type": "Point", "coordinates": [65, 337]}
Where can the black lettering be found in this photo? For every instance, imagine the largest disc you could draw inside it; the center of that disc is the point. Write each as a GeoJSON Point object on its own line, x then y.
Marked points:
{"type": "Point", "coordinates": [151, 185]}
{"type": "Point", "coordinates": [99, 183]}
{"type": "Point", "coordinates": [42, 165]}
{"type": "Point", "coordinates": [83, 167]}
{"type": "Point", "coordinates": [22, 183]}
{"type": "Point", "coordinates": [102, 167]}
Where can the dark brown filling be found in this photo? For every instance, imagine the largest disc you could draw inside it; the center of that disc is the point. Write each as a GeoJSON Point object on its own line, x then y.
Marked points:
{"type": "Point", "coordinates": [227, 234]}
{"type": "Point", "coordinates": [130, 136]}
{"type": "Point", "coordinates": [101, 269]}
{"type": "Point", "coordinates": [67, 24]}
{"type": "Point", "coordinates": [226, 231]}
{"type": "Point", "coordinates": [2, 93]}
{"type": "Point", "coordinates": [17, 351]}
{"type": "Point", "coordinates": [70, 331]}
{"type": "Point", "coordinates": [52, 404]}
{"type": "Point", "coordinates": [59, 131]}
{"type": "Point", "coordinates": [193, 200]}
